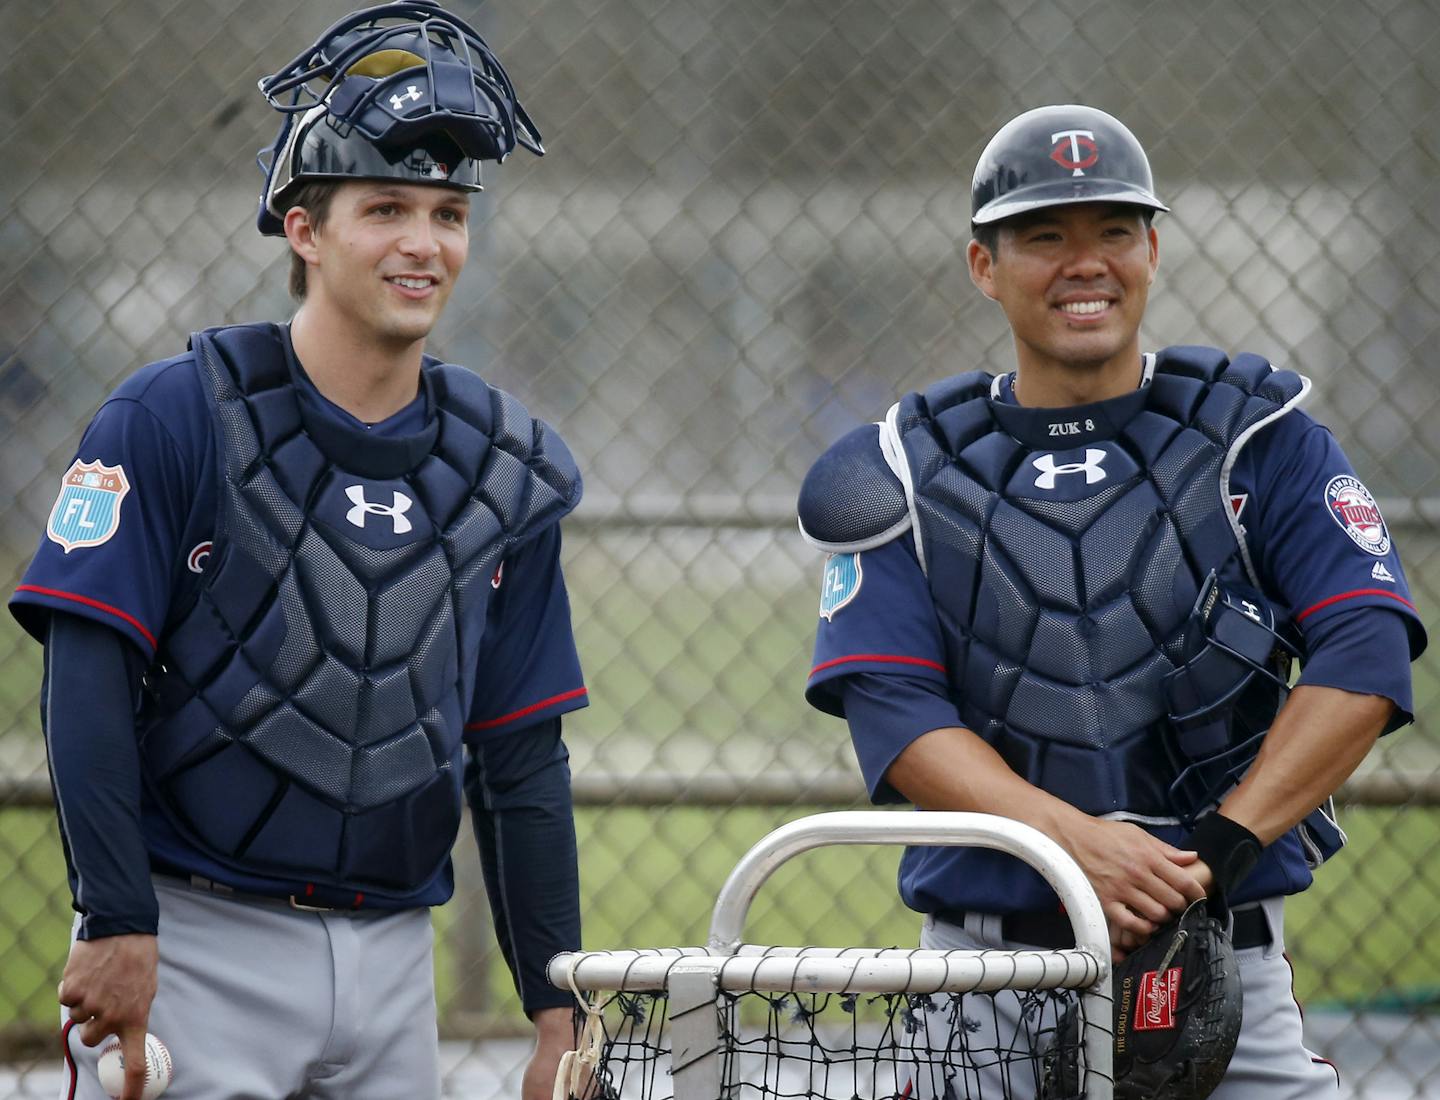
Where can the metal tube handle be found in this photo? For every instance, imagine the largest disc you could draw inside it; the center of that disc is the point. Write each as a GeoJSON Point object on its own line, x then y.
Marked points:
{"type": "Point", "coordinates": [732, 905]}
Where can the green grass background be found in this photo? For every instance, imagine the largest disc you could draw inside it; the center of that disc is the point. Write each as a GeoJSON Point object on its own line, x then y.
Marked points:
{"type": "Point", "coordinates": [696, 645]}
{"type": "Point", "coordinates": [1369, 931]}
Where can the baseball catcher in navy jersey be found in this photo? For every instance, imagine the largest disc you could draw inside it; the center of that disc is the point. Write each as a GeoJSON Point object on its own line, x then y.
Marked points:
{"type": "Point", "coordinates": [300, 598]}
{"type": "Point", "coordinates": [1070, 593]}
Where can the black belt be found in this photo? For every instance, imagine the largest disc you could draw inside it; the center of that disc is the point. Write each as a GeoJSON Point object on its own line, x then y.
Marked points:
{"type": "Point", "coordinates": [1052, 930]}
{"type": "Point", "coordinates": [293, 901]}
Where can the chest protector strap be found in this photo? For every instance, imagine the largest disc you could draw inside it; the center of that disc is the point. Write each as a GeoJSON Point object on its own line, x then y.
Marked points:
{"type": "Point", "coordinates": [1065, 560]}
{"type": "Point", "coordinates": [307, 711]}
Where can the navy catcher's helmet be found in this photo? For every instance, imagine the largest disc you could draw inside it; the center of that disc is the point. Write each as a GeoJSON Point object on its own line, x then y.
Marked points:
{"type": "Point", "coordinates": [401, 91]}
{"type": "Point", "coordinates": [1055, 156]}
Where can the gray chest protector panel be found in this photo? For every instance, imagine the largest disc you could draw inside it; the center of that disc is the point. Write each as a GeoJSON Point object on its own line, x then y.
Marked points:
{"type": "Point", "coordinates": [1065, 560]}
{"type": "Point", "coordinates": [306, 714]}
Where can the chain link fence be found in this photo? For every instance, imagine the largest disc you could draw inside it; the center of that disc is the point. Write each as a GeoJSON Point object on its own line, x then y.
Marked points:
{"type": "Point", "coordinates": [747, 238]}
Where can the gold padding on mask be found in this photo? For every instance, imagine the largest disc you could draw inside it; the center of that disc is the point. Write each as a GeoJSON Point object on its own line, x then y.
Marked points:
{"type": "Point", "coordinates": [383, 63]}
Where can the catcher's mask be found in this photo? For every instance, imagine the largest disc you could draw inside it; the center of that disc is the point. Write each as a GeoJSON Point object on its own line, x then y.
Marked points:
{"type": "Point", "coordinates": [1057, 156]}
{"type": "Point", "coordinates": [1222, 698]}
{"type": "Point", "coordinates": [402, 91]}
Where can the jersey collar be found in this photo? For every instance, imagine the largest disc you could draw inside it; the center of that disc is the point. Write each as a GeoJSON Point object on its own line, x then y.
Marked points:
{"type": "Point", "coordinates": [347, 442]}
{"type": "Point", "coordinates": [1073, 425]}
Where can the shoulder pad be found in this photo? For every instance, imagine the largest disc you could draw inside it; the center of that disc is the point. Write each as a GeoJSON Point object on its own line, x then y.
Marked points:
{"type": "Point", "coordinates": [945, 394]}
{"type": "Point", "coordinates": [1193, 361]}
{"type": "Point", "coordinates": [1253, 374]}
{"type": "Point", "coordinates": [254, 354]}
{"type": "Point", "coordinates": [851, 499]}
{"type": "Point", "coordinates": [492, 416]}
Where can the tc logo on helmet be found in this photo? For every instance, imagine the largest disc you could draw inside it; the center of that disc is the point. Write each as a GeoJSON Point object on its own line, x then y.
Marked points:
{"type": "Point", "coordinates": [1075, 150]}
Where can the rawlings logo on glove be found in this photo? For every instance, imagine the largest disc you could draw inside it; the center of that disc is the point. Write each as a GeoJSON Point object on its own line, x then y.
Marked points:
{"type": "Point", "coordinates": [1155, 1007]}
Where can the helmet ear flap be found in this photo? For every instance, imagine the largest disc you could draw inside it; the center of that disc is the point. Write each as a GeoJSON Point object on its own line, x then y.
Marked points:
{"type": "Point", "coordinates": [269, 221]}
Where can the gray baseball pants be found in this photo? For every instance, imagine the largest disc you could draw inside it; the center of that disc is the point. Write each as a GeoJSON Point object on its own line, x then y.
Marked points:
{"type": "Point", "coordinates": [259, 1001]}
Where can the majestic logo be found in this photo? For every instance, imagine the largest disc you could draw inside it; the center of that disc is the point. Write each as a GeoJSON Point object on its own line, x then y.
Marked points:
{"type": "Point", "coordinates": [1155, 1003]}
{"type": "Point", "coordinates": [1355, 510]}
{"type": "Point", "coordinates": [499, 575]}
{"type": "Point", "coordinates": [1050, 469]}
{"type": "Point", "coordinates": [87, 511]}
{"type": "Point", "coordinates": [411, 92]}
{"type": "Point", "coordinates": [198, 556]}
{"type": "Point", "coordinates": [1237, 503]}
{"type": "Point", "coordinates": [363, 508]}
{"type": "Point", "coordinates": [1075, 150]}
{"type": "Point", "coordinates": [841, 584]}
{"type": "Point", "coordinates": [1380, 573]}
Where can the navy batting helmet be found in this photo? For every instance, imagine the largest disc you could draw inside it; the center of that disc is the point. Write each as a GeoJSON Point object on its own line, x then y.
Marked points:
{"type": "Point", "coordinates": [1054, 156]}
{"type": "Point", "coordinates": [401, 91]}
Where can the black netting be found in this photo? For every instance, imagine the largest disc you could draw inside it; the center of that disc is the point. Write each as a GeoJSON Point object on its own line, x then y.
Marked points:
{"type": "Point", "coordinates": [842, 1046]}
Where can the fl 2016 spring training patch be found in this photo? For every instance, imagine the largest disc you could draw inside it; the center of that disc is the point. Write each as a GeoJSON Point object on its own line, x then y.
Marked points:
{"type": "Point", "coordinates": [87, 510]}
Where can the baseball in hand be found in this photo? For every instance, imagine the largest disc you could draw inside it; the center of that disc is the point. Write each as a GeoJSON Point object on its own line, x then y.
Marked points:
{"type": "Point", "coordinates": [158, 1067]}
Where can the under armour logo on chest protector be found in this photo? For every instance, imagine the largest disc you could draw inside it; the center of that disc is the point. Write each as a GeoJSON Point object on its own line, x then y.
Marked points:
{"type": "Point", "coordinates": [396, 511]}
{"type": "Point", "coordinates": [1092, 468]}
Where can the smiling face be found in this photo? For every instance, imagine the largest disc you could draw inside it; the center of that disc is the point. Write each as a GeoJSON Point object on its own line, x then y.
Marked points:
{"type": "Point", "coordinates": [1073, 282]}
{"type": "Point", "coordinates": [386, 258]}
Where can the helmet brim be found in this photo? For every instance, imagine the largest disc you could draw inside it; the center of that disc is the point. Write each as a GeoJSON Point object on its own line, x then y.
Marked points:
{"type": "Point", "coordinates": [1038, 196]}
{"type": "Point", "coordinates": [316, 150]}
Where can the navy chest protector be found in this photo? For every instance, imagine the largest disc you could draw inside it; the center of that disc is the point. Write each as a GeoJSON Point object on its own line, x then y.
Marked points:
{"type": "Point", "coordinates": [305, 714]}
{"type": "Point", "coordinates": [1089, 577]}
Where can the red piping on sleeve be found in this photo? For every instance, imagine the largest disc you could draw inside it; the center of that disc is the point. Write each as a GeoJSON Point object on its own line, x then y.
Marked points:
{"type": "Point", "coordinates": [1351, 595]}
{"type": "Point", "coordinates": [878, 658]}
{"type": "Point", "coordinates": [88, 602]}
{"type": "Point", "coordinates": [563, 697]}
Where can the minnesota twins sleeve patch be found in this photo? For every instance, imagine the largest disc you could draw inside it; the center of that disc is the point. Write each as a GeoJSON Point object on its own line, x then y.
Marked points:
{"type": "Point", "coordinates": [841, 584]}
{"type": "Point", "coordinates": [1355, 510]}
{"type": "Point", "coordinates": [87, 511]}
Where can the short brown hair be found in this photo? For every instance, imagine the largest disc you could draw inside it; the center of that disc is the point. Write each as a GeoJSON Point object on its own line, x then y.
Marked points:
{"type": "Point", "coordinates": [314, 198]}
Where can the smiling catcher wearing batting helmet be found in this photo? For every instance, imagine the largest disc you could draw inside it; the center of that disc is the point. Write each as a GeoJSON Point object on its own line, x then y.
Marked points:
{"type": "Point", "coordinates": [1070, 593]}
{"type": "Point", "coordinates": [301, 599]}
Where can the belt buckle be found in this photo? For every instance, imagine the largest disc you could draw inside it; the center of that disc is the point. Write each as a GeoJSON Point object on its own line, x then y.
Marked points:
{"type": "Point", "coordinates": [302, 907]}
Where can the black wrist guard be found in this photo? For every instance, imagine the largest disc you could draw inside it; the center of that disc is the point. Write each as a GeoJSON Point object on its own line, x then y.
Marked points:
{"type": "Point", "coordinates": [1228, 848]}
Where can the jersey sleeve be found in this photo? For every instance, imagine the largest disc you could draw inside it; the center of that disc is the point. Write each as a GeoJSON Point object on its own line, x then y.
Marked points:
{"type": "Point", "coordinates": [1341, 653]}
{"type": "Point", "coordinates": [885, 714]}
{"type": "Point", "coordinates": [879, 658]}
{"type": "Point", "coordinates": [523, 815]}
{"type": "Point", "coordinates": [876, 615]}
{"type": "Point", "coordinates": [529, 669]}
{"type": "Point", "coordinates": [1315, 532]}
{"type": "Point", "coordinates": [113, 534]}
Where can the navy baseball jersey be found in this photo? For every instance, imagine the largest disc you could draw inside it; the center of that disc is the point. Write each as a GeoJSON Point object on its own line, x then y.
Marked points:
{"type": "Point", "coordinates": [129, 538]}
{"type": "Point", "coordinates": [1318, 546]}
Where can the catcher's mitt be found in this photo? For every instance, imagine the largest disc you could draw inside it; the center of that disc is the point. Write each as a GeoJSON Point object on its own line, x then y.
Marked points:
{"type": "Point", "coordinates": [1177, 1016]}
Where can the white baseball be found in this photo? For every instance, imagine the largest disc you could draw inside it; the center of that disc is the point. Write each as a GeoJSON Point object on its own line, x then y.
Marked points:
{"type": "Point", "coordinates": [158, 1067]}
